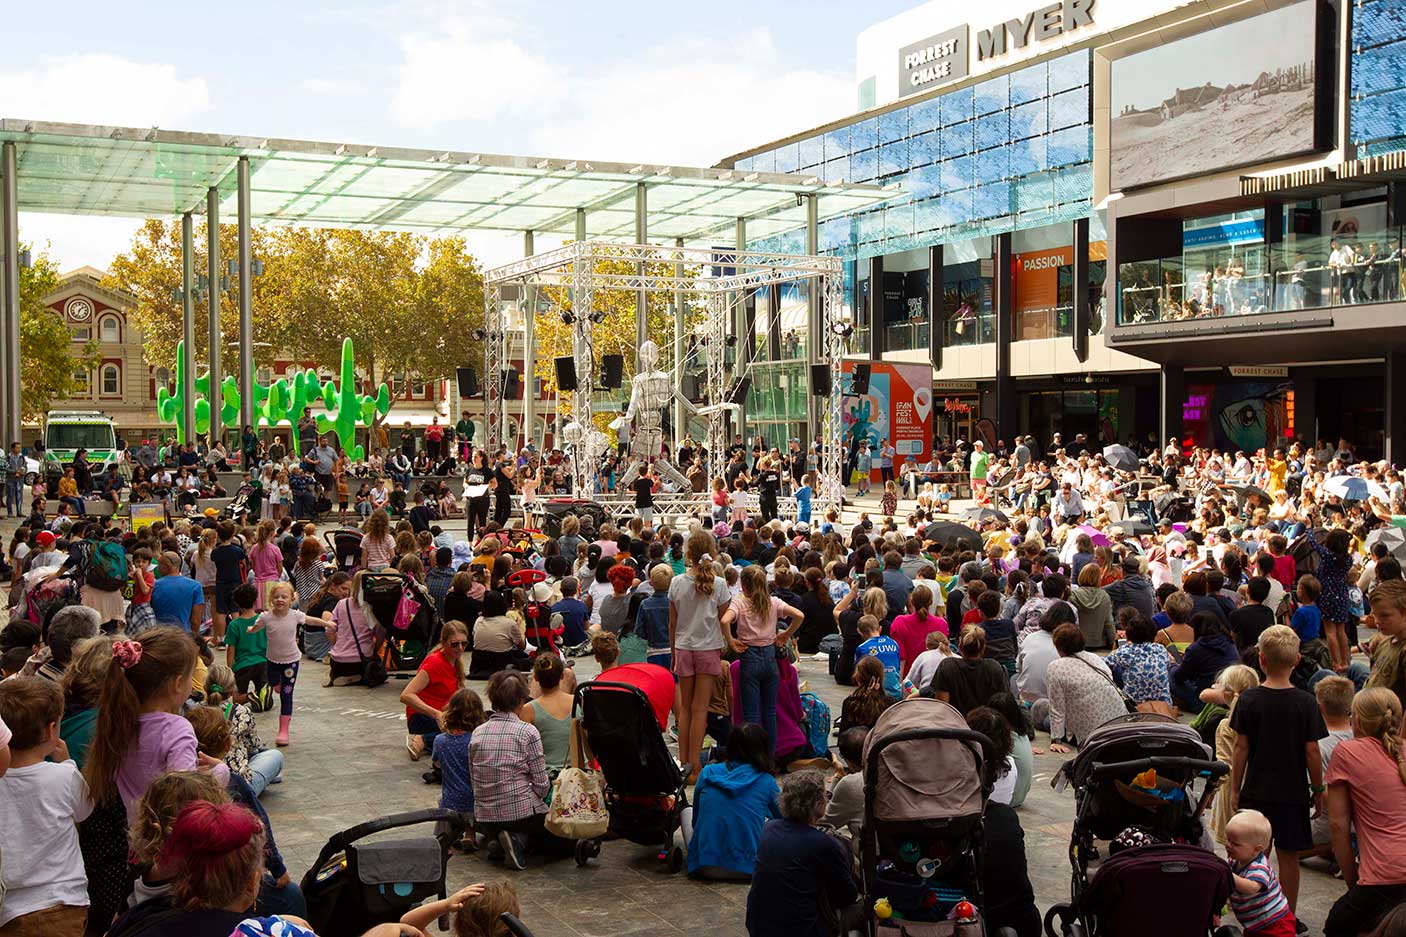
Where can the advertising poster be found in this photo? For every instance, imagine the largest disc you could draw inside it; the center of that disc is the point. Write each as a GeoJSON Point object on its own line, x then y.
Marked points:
{"type": "Point", "coordinates": [1237, 415]}
{"type": "Point", "coordinates": [144, 514]}
{"type": "Point", "coordinates": [897, 408]}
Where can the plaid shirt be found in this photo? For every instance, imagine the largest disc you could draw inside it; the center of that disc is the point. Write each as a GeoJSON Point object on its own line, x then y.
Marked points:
{"type": "Point", "coordinates": [509, 770]}
{"type": "Point", "coordinates": [437, 582]}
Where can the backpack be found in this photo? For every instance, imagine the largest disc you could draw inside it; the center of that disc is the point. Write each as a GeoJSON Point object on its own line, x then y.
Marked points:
{"type": "Point", "coordinates": [815, 723]}
{"type": "Point", "coordinates": [106, 566]}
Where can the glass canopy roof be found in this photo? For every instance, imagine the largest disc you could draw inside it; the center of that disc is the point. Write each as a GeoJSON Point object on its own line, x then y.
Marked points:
{"type": "Point", "coordinates": [131, 172]}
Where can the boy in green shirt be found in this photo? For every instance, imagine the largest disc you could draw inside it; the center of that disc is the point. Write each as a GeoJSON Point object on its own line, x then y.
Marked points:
{"type": "Point", "coordinates": [246, 652]}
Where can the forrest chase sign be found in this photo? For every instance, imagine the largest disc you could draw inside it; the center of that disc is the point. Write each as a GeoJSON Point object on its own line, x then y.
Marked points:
{"type": "Point", "coordinates": [946, 57]}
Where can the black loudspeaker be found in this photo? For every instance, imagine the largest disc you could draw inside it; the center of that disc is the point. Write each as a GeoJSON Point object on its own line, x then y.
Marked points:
{"type": "Point", "coordinates": [512, 383]}
{"type": "Point", "coordinates": [860, 384]}
{"type": "Point", "coordinates": [566, 372]}
{"type": "Point", "coordinates": [820, 380]}
{"type": "Point", "coordinates": [612, 371]}
{"type": "Point", "coordinates": [468, 381]}
{"type": "Point", "coordinates": [739, 393]}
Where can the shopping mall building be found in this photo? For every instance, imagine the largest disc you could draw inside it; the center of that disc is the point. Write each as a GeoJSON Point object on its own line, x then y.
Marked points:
{"type": "Point", "coordinates": [1126, 218]}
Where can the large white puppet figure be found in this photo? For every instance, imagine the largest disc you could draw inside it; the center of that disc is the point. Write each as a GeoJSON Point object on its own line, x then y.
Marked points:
{"type": "Point", "coordinates": [650, 392]}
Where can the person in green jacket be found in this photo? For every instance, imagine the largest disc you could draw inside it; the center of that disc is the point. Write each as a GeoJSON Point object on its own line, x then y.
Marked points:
{"type": "Point", "coordinates": [979, 465]}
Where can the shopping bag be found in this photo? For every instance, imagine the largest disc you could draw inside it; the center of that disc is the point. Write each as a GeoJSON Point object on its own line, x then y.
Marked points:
{"type": "Point", "coordinates": [578, 809]}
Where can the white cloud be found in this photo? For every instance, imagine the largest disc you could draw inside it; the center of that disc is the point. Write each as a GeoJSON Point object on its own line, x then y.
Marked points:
{"type": "Point", "coordinates": [465, 63]}
{"type": "Point", "coordinates": [78, 240]}
{"type": "Point", "coordinates": [99, 88]}
{"type": "Point", "coordinates": [692, 102]}
{"type": "Point", "coordinates": [331, 86]}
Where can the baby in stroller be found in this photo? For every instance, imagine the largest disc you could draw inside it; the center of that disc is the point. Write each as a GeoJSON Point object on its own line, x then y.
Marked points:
{"type": "Point", "coordinates": [1135, 784]}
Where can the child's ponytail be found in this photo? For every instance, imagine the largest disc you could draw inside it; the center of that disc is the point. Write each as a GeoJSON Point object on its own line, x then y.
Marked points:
{"type": "Point", "coordinates": [140, 668]}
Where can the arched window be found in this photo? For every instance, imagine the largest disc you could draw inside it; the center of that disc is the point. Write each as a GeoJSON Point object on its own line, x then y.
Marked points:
{"type": "Point", "coordinates": [111, 381]}
{"type": "Point", "coordinates": [109, 329]}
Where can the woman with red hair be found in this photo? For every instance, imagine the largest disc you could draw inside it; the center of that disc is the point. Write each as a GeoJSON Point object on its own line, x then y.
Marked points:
{"type": "Point", "coordinates": [218, 850]}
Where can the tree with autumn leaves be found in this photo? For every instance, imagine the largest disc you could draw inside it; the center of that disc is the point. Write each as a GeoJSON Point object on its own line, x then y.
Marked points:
{"type": "Point", "coordinates": [409, 303]}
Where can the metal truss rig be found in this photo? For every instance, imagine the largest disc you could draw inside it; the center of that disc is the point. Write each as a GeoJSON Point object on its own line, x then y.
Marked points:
{"type": "Point", "coordinates": [722, 276]}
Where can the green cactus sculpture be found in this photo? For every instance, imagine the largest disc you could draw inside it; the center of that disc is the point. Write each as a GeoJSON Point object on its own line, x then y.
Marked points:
{"type": "Point", "coordinates": [278, 403]}
{"type": "Point", "coordinates": [347, 408]}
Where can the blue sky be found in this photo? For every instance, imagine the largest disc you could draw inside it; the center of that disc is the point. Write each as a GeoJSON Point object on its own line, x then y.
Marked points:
{"type": "Point", "coordinates": [628, 80]}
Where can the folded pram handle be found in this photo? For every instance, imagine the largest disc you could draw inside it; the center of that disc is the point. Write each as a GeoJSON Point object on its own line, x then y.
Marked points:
{"type": "Point", "coordinates": [514, 926]}
{"type": "Point", "coordinates": [1215, 769]}
{"type": "Point", "coordinates": [342, 840]}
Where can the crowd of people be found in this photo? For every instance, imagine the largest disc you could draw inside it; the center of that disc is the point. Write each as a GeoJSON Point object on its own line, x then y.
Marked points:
{"type": "Point", "coordinates": [1259, 596]}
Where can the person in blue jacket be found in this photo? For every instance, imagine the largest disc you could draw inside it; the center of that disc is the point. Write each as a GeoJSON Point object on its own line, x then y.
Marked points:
{"type": "Point", "coordinates": [731, 803]}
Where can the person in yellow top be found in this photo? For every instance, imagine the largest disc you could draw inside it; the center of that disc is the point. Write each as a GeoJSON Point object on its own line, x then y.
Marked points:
{"type": "Point", "coordinates": [68, 491]}
{"type": "Point", "coordinates": [1278, 468]}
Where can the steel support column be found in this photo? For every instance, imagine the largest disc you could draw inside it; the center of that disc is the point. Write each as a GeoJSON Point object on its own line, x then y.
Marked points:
{"type": "Point", "coordinates": [187, 362]}
{"type": "Point", "coordinates": [641, 237]}
{"type": "Point", "coordinates": [878, 341]}
{"type": "Point", "coordinates": [742, 326]}
{"type": "Point", "coordinates": [815, 328]}
{"type": "Point", "coordinates": [214, 337]}
{"type": "Point", "coordinates": [529, 301]}
{"type": "Point", "coordinates": [936, 336]}
{"type": "Point", "coordinates": [1007, 412]}
{"type": "Point", "coordinates": [246, 302]}
{"type": "Point", "coordinates": [10, 301]}
{"type": "Point", "coordinates": [580, 225]}
{"type": "Point", "coordinates": [680, 414]}
{"type": "Point", "coordinates": [1172, 389]}
{"type": "Point", "coordinates": [1080, 313]}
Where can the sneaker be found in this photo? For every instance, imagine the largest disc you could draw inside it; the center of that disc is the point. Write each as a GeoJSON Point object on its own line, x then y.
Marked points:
{"type": "Point", "coordinates": [415, 745]}
{"type": "Point", "coordinates": [1300, 927]}
{"type": "Point", "coordinates": [432, 777]}
{"type": "Point", "coordinates": [512, 850]}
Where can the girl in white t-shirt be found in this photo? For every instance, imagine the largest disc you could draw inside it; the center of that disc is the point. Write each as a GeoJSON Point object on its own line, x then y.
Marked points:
{"type": "Point", "coordinates": [281, 622]}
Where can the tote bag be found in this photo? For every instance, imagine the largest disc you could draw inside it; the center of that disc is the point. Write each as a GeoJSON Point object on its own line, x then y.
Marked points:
{"type": "Point", "coordinates": [578, 808]}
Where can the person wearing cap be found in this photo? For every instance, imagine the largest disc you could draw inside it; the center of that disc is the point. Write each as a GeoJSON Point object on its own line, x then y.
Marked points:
{"type": "Point", "coordinates": [979, 464]}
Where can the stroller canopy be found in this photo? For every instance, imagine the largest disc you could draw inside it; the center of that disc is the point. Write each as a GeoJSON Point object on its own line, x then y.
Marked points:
{"type": "Point", "coordinates": [924, 778]}
{"type": "Point", "coordinates": [656, 682]}
{"type": "Point", "coordinates": [1138, 735]}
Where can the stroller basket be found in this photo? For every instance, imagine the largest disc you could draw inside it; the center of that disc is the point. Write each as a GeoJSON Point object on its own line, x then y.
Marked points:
{"type": "Point", "coordinates": [353, 886]}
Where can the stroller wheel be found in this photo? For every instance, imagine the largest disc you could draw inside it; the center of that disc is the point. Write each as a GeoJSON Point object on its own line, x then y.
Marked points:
{"type": "Point", "coordinates": [1060, 921]}
{"type": "Point", "coordinates": [583, 852]}
{"type": "Point", "coordinates": [675, 860]}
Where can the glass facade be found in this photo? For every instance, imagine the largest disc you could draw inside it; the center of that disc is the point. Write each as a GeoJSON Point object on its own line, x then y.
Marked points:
{"type": "Point", "coordinates": [1378, 99]}
{"type": "Point", "coordinates": [1011, 152]}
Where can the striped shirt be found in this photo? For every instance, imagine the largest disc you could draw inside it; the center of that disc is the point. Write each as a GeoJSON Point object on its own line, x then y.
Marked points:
{"type": "Point", "coordinates": [508, 769]}
{"type": "Point", "coordinates": [1265, 906]}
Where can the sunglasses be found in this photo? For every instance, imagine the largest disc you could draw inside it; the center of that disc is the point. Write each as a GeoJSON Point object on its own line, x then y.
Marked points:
{"type": "Point", "coordinates": [459, 644]}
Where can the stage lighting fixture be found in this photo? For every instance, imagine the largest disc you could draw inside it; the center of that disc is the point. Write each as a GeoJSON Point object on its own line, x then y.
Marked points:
{"type": "Point", "coordinates": [731, 340]}
{"type": "Point", "coordinates": [598, 316]}
{"type": "Point", "coordinates": [567, 318]}
{"type": "Point", "coordinates": [842, 329]}
{"type": "Point", "coordinates": [479, 335]}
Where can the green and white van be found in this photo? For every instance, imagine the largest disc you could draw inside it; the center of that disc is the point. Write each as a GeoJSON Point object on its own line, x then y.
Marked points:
{"type": "Point", "coordinates": [67, 431]}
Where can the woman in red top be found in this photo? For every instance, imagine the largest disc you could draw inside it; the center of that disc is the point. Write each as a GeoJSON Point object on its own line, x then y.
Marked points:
{"type": "Point", "coordinates": [425, 696]}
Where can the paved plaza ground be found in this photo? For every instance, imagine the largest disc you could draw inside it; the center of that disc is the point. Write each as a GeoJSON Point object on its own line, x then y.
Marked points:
{"type": "Point", "coordinates": [347, 764]}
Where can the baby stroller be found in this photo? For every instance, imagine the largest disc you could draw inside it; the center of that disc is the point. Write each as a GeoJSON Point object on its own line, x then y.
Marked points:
{"type": "Point", "coordinates": [353, 887]}
{"type": "Point", "coordinates": [557, 508]}
{"type": "Point", "coordinates": [644, 787]}
{"type": "Point", "coordinates": [537, 613]}
{"type": "Point", "coordinates": [1110, 798]}
{"type": "Point", "coordinates": [405, 613]}
{"type": "Point", "coordinates": [345, 546]}
{"type": "Point", "coordinates": [924, 796]}
{"type": "Point", "coordinates": [244, 503]}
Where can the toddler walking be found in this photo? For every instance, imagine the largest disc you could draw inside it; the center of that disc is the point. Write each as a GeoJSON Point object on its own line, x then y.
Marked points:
{"type": "Point", "coordinates": [281, 623]}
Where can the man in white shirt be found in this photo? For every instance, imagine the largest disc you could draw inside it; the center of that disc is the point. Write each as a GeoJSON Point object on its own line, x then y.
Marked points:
{"type": "Point", "coordinates": [1067, 505]}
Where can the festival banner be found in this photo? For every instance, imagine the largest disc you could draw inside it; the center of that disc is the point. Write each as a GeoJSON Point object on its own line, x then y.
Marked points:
{"type": "Point", "coordinates": [897, 408]}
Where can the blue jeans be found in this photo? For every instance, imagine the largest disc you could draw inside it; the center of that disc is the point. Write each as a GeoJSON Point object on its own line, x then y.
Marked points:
{"type": "Point", "coordinates": [1186, 693]}
{"type": "Point", "coordinates": [1357, 672]}
{"type": "Point", "coordinates": [423, 726]}
{"type": "Point", "coordinates": [758, 678]}
{"type": "Point", "coordinates": [14, 495]}
{"type": "Point", "coordinates": [264, 768]}
{"type": "Point", "coordinates": [286, 900]}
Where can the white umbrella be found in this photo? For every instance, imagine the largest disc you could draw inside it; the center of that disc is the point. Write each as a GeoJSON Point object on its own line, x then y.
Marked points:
{"type": "Point", "coordinates": [1354, 488]}
{"type": "Point", "coordinates": [1393, 538]}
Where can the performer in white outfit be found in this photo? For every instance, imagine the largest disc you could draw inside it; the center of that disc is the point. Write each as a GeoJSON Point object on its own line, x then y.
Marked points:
{"type": "Point", "coordinates": [650, 392]}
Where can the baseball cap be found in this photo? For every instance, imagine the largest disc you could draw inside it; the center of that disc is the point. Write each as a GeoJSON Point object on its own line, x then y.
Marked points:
{"type": "Point", "coordinates": [46, 538]}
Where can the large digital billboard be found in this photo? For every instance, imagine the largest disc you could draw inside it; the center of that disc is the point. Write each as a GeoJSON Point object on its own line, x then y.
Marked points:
{"type": "Point", "coordinates": [1240, 94]}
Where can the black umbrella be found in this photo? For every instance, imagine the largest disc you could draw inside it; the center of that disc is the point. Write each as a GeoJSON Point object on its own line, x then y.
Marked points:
{"type": "Point", "coordinates": [946, 533]}
{"type": "Point", "coordinates": [1245, 491]}
{"type": "Point", "coordinates": [1121, 458]}
{"type": "Point", "coordinates": [984, 514]}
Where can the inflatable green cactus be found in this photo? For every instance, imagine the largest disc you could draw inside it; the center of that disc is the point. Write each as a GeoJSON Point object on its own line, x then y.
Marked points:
{"type": "Point", "coordinates": [278, 403]}
{"type": "Point", "coordinates": [346, 408]}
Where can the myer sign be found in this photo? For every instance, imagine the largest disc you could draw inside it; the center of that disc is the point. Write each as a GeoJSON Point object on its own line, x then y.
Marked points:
{"type": "Point", "coordinates": [945, 57]}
